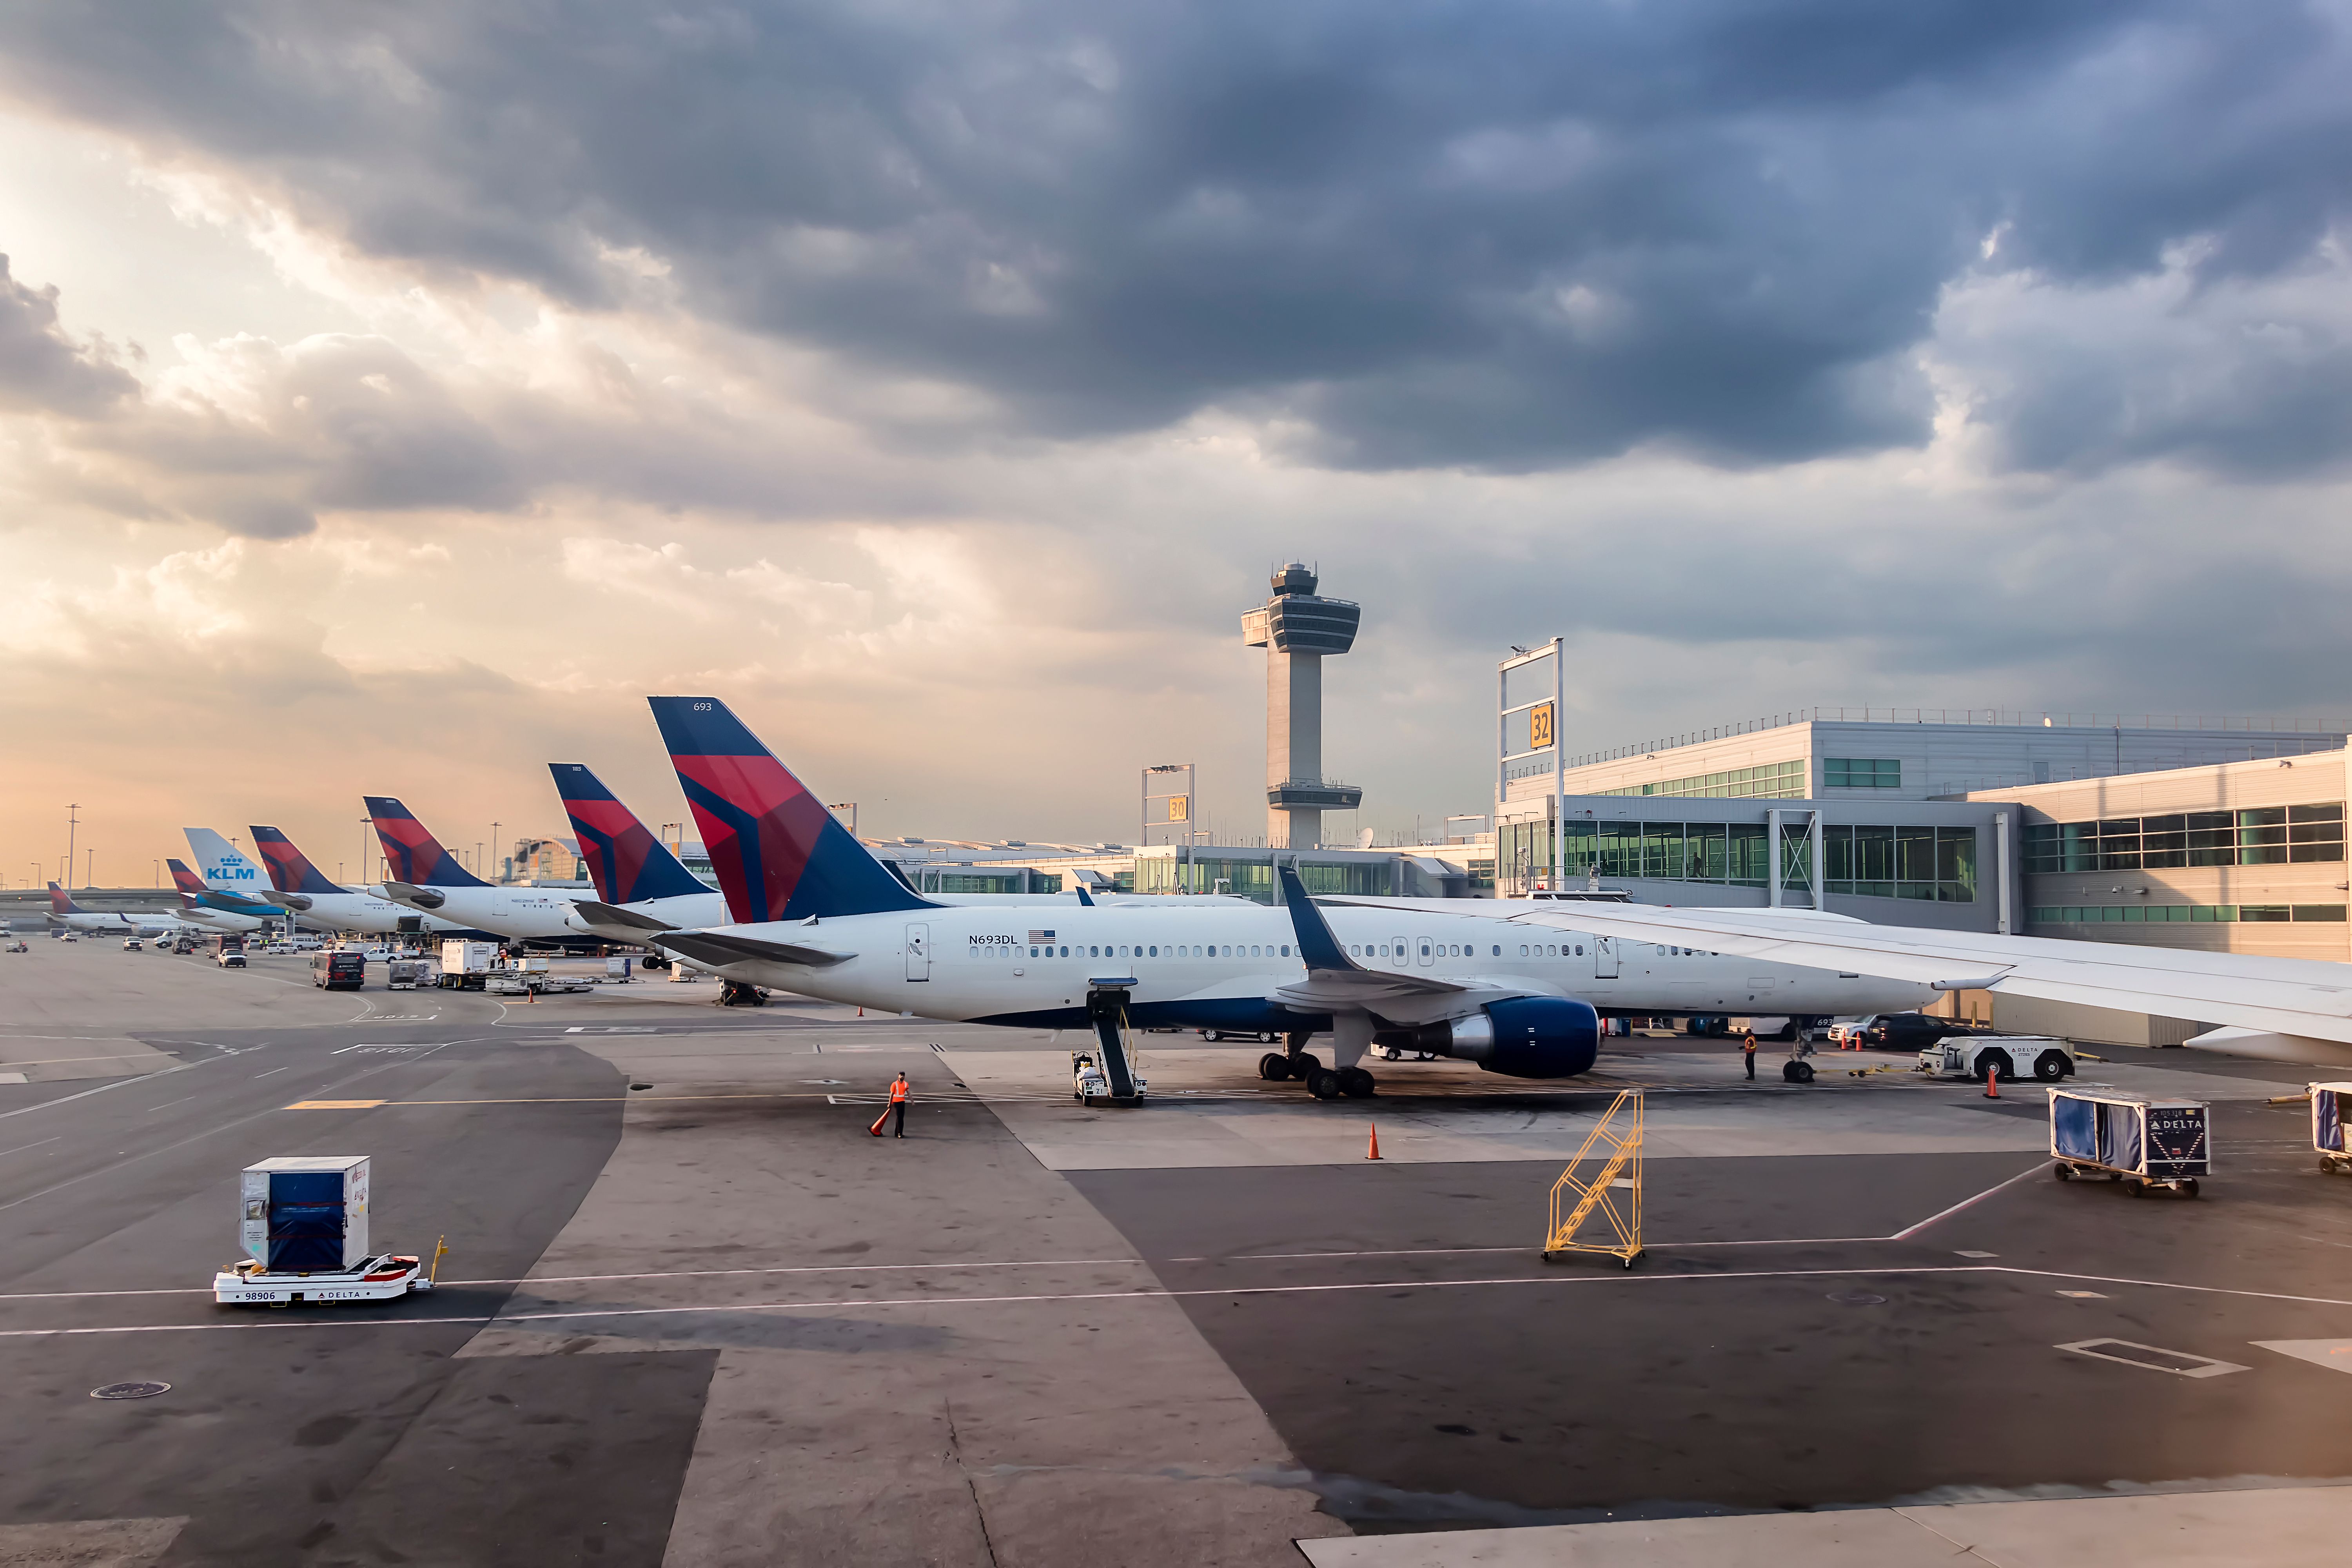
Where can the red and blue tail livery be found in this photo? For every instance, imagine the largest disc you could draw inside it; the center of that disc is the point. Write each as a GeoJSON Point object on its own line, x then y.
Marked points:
{"type": "Point", "coordinates": [61, 902]}
{"type": "Point", "coordinates": [626, 861]}
{"type": "Point", "coordinates": [416, 857]}
{"type": "Point", "coordinates": [291, 870]}
{"type": "Point", "coordinates": [778, 853]}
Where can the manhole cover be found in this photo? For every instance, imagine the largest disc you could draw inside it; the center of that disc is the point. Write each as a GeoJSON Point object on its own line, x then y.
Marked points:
{"type": "Point", "coordinates": [130, 1390]}
{"type": "Point", "coordinates": [1857, 1299]}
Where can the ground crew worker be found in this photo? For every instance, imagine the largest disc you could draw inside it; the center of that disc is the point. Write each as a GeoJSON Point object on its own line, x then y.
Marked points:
{"type": "Point", "coordinates": [898, 1103]}
{"type": "Point", "coordinates": [1748, 1053]}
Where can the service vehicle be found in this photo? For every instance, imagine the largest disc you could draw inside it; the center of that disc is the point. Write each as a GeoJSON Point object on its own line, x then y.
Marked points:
{"type": "Point", "coordinates": [228, 951]}
{"type": "Point", "coordinates": [68, 936]}
{"type": "Point", "coordinates": [303, 1221]}
{"type": "Point", "coordinates": [339, 971]}
{"type": "Point", "coordinates": [1906, 1031]}
{"type": "Point", "coordinates": [405, 974]}
{"type": "Point", "coordinates": [465, 965]}
{"type": "Point", "coordinates": [18, 945]}
{"type": "Point", "coordinates": [2328, 1103]}
{"type": "Point", "coordinates": [2142, 1141]}
{"type": "Point", "coordinates": [2012, 1056]}
{"type": "Point", "coordinates": [132, 944]}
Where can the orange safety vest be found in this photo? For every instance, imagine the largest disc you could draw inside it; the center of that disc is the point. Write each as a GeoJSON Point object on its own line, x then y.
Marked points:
{"type": "Point", "coordinates": [898, 1093]}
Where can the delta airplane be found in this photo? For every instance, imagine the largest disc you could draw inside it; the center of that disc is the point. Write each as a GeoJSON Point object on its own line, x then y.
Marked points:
{"type": "Point", "coordinates": [298, 885]}
{"type": "Point", "coordinates": [426, 876]}
{"type": "Point", "coordinates": [641, 887]}
{"type": "Point", "coordinates": [213, 909]}
{"type": "Point", "coordinates": [63, 911]}
{"type": "Point", "coordinates": [1473, 980]}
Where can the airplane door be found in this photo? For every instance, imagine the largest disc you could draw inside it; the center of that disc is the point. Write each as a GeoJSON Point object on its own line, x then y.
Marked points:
{"type": "Point", "coordinates": [919, 951]}
{"type": "Point", "coordinates": [1424, 951]}
{"type": "Point", "coordinates": [1605, 958]}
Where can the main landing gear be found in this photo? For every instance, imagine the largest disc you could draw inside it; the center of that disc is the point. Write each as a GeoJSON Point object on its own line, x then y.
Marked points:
{"type": "Point", "coordinates": [1323, 1083]}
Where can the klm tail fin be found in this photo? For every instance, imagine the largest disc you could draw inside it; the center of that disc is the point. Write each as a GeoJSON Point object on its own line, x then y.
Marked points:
{"type": "Point", "coordinates": [416, 856]}
{"type": "Point", "coordinates": [626, 861]}
{"type": "Point", "coordinates": [223, 869]}
{"type": "Point", "coordinates": [291, 870]}
{"type": "Point", "coordinates": [778, 853]}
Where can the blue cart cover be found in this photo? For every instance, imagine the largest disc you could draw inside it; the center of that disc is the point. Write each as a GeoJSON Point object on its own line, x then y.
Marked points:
{"type": "Point", "coordinates": [2326, 1119]}
{"type": "Point", "coordinates": [2119, 1143]}
{"type": "Point", "coordinates": [2073, 1128]}
{"type": "Point", "coordinates": [306, 1221]}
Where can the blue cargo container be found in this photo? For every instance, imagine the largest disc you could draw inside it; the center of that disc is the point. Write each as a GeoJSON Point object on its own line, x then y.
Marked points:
{"type": "Point", "coordinates": [2130, 1138]}
{"type": "Point", "coordinates": [305, 1214]}
{"type": "Point", "coordinates": [2328, 1103]}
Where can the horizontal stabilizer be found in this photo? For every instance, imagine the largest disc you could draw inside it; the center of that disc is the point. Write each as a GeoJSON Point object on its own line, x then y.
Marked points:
{"type": "Point", "coordinates": [409, 893]}
{"type": "Point", "coordinates": [717, 949]}
{"type": "Point", "coordinates": [615, 917]}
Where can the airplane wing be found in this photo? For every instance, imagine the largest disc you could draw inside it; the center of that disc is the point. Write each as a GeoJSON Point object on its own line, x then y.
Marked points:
{"type": "Point", "coordinates": [2293, 999]}
{"type": "Point", "coordinates": [715, 948]}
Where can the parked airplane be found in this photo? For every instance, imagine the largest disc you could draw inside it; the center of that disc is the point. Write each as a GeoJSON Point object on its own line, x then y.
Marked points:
{"type": "Point", "coordinates": [1452, 977]}
{"type": "Point", "coordinates": [641, 887]}
{"type": "Point", "coordinates": [212, 908]}
{"type": "Point", "coordinates": [298, 885]}
{"type": "Point", "coordinates": [63, 911]}
{"type": "Point", "coordinates": [426, 876]}
{"type": "Point", "coordinates": [2279, 1009]}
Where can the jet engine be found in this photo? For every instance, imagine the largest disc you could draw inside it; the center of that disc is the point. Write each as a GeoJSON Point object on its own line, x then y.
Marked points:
{"type": "Point", "coordinates": [1525, 1037]}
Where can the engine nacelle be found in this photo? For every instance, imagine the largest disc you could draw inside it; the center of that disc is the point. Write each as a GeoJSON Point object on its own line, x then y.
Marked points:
{"type": "Point", "coordinates": [1526, 1037]}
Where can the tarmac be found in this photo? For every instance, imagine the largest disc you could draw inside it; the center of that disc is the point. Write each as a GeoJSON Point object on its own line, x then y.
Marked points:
{"type": "Point", "coordinates": [693, 1313]}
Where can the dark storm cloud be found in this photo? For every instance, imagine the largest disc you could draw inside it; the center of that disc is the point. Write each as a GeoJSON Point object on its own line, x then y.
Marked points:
{"type": "Point", "coordinates": [1509, 235]}
{"type": "Point", "coordinates": [40, 367]}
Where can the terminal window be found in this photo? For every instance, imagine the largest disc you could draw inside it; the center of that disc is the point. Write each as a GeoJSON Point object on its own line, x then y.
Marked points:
{"type": "Point", "coordinates": [1931, 864]}
{"type": "Point", "coordinates": [2264, 835]}
{"type": "Point", "coordinates": [2199, 914]}
{"type": "Point", "coordinates": [1862, 773]}
{"type": "Point", "coordinates": [1768, 781]}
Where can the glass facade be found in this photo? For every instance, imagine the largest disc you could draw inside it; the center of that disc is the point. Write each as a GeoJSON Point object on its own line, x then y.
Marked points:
{"type": "Point", "coordinates": [1934, 864]}
{"type": "Point", "coordinates": [2265, 836]}
{"type": "Point", "coordinates": [1770, 781]}
{"type": "Point", "coordinates": [2168, 914]}
{"type": "Point", "coordinates": [1255, 879]}
{"type": "Point", "coordinates": [1862, 773]}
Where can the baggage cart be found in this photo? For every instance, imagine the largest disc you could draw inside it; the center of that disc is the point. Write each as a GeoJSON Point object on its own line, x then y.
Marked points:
{"type": "Point", "coordinates": [2330, 1101]}
{"type": "Point", "coordinates": [404, 973]}
{"type": "Point", "coordinates": [2130, 1138]}
{"type": "Point", "coordinates": [303, 1220]}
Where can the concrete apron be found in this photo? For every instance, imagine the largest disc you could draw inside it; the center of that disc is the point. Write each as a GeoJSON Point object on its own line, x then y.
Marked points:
{"type": "Point", "coordinates": [1051, 1432]}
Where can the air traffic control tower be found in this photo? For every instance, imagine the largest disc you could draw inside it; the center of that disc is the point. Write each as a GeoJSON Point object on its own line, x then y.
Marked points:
{"type": "Point", "coordinates": [1297, 629]}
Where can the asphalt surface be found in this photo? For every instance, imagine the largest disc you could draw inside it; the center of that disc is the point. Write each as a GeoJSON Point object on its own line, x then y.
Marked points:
{"type": "Point", "coordinates": [712, 1321]}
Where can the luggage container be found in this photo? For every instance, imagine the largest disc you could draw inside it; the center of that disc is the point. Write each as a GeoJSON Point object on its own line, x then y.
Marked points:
{"type": "Point", "coordinates": [303, 1220]}
{"type": "Point", "coordinates": [2330, 1101]}
{"type": "Point", "coordinates": [405, 974]}
{"type": "Point", "coordinates": [2130, 1138]}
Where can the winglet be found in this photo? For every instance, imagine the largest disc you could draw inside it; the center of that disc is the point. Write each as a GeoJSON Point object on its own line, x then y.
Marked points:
{"type": "Point", "coordinates": [1085, 897]}
{"type": "Point", "coordinates": [1317, 945]}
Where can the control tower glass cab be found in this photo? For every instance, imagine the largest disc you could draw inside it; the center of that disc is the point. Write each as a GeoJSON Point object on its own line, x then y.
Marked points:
{"type": "Point", "coordinates": [1297, 628]}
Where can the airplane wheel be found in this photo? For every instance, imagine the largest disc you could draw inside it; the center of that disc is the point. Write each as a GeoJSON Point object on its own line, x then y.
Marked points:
{"type": "Point", "coordinates": [1304, 1066]}
{"type": "Point", "coordinates": [1356, 1083]}
{"type": "Point", "coordinates": [1804, 1071]}
{"type": "Point", "coordinates": [1323, 1085]}
{"type": "Point", "coordinates": [1274, 1066]}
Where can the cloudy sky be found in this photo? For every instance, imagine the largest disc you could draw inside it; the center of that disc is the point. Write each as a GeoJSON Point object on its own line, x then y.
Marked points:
{"type": "Point", "coordinates": [390, 397]}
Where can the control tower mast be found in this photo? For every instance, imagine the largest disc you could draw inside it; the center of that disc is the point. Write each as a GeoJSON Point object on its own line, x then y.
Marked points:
{"type": "Point", "coordinates": [1297, 629]}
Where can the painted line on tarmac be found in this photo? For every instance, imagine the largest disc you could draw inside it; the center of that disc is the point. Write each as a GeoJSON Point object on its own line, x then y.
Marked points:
{"type": "Point", "coordinates": [2033, 1170]}
{"type": "Point", "coordinates": [1624, 1277]}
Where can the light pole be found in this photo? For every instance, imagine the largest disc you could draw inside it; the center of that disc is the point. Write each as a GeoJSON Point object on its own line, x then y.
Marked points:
{"type": "Point", "coordinates": [90, 877]}
{"type": "Point", "coordinates": [366, 823]}
{"type": "Point", "coordinates": [494, 844]}
{"type": "Point", "coordinates": [158, 873]}
{"type": "Point", "coordinates": [73, 821]}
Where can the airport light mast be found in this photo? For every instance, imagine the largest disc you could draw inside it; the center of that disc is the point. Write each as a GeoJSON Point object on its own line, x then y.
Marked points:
{"type": "Point", "coordinates": [1297, 629]}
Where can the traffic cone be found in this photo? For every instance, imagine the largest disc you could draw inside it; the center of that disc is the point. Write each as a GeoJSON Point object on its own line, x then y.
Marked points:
{"type": "Point", "coordinates": [1993, 1083]}
{"type": "Point", "coordinates": [876, 1128]}
{"type": "Point", "coordinates": [1374, 1152]}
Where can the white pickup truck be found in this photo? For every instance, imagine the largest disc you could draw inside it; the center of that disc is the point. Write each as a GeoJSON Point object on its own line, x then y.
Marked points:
{"type": "Point", "coordinates": [2044, 1056]}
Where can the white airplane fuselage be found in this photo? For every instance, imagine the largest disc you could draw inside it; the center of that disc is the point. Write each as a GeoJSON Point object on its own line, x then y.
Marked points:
{"type": "Point", "coordinates": [360, 910]}
{"type": "Point", "coordinates": [519, 914]}
{"type": "Point", "coordinates": [1221, 967]}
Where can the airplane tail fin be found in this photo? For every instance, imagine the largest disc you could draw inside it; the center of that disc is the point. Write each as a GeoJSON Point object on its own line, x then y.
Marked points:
{"type": "Point", "coordinates": [61, 902]}
{"type": "Point", "coordinates": [778, 853]}
{"type": "Point", "coordinates": [291, 870]}
{"type": "Point", "coordinates": [626, 861]}
{"type": "Point", "coordinates": [416, 856]}
{"type": "Point", "coordinates": [182, 877]}
{"type": "Point", "coordinates": [224, 870]}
